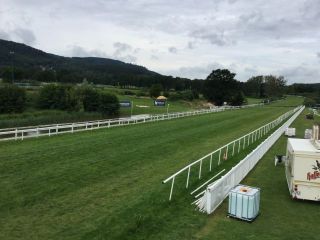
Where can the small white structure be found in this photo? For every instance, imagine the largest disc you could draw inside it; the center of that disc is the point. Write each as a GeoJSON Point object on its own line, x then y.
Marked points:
{"type": "Point", "coordinates": [290, 132]}
{"type": "Point", "coordinates": [308, 134]}
{"type": "Point", "coordinates": [244, 202]}
{"type": "Point", "coordinates": [303, 167]}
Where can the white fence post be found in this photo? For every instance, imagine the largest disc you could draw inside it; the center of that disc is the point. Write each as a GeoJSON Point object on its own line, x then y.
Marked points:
{"type": "Point", "coordinates": [234, 143]}
{"type": "Point", "coordinates": [187, 185]}
{"type": "Point", "coordinates": [244, 142]}
{"type": "Point", "coordinates": [200, 169]}
{"type": "Point", "coordinates": [226, 154]}
{"type": "Point", "coordinates": [171, 189]}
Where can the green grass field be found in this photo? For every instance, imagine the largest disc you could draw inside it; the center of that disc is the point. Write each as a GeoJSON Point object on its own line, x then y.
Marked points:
{"type": "Point", "coordinates": [280, 216]}
{"type": "Point", "coordinates": [253, 100]}
{"type": "Point", "coordinates": [106, 184]}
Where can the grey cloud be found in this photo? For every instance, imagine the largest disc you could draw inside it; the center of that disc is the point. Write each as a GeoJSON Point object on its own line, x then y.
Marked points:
{"type": "Point", "coordinates": [27, 36]}
{"type": "Point", "coordinates": [78, 51]}
{"type": "Point", "coordinates": [4, 35]}
{"type": "Point", "coordinates": [20, 35]}
{"type": "Point", "coordinates": [121, 48]}
{"type": "Point", "coordinates": [311, 9]}
{"type": "Point", "coordinates": [196, 71]}
{"type": "Point", "coordinates": [128, 58]}
{"type": "Point", "coordinates": [215, 38]}
{"type": "Point", "coordinates": [191, 45]}
{"type": "Point", "coordinates": [173, 50]}
{"type": "Point", "coordinates": [301, 74]}
{"type": "Point", "coordinates": [125, 52]}
{"type": "Point", "coordinates": [318, 54]}
{"type": "Point", "coordinates": [251, 18]}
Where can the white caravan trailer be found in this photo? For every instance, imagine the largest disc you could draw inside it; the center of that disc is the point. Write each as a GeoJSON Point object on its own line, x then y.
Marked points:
{"type": "Point", "coordinates": [303, 167]}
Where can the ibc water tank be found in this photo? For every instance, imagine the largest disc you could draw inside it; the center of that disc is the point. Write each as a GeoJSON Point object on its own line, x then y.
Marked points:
{"type": "Point", "coordinates": [244, 202]}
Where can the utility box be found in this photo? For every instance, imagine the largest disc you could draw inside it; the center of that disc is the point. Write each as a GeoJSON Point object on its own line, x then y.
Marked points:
{"type": "Point", "coordinates": [308, 134]}
{"type": "Point", "coordinates": [244, 202]}
{"type": "Point", "coordinates": [290, 132]}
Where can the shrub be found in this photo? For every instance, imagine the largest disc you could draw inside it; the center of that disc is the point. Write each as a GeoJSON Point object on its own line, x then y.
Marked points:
{"type": "Point", "coordinates": [309, 102]}
{"type": "Point", "coordinates": [90, 99]}
{"type": "Point", "coordinates": [61, 97]}
{"type": "Point", "coordinates": [187, 95]}
{"type": "Point", "coordinates": [108, 104]}
{"type": "Point", "coordinates": [237, 99]}
{"type": "Point", "coordinates": [142, 93]}
{"type": "Point", "coordinates": [129, 93]}
{"type": "Point", "coordinates": [155, 90]}
{"type": "Point", "coordinates": [12, 99]}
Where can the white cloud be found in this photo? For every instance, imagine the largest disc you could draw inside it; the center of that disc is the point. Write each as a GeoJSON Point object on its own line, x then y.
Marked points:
{"type": "Point", "coordinates": [249, 37]}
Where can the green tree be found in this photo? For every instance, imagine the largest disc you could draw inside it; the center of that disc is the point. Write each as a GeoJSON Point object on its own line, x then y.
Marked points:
{"type": "Point", "coordinates": [61, 97]}
{"type": "Point", "coordinates": [6, 74]}
{"type": "Point", "coordinates": [12, 99]}
{"type": "Point", "coordinates": [46, 98]}
{"type": "Point", "coordinates": [254, 87]}
{"type": "Point", "coordinates": [90, 99]}
{"type": "Point", "coordinates": [155, 90]}
{"type": "Point", "coordinates": [108, 104]}
{"type": "Point", "coordinates": [274, 86]}
{"type": "Point", "coordinates": [220, 86]}
{"type": "Point", "coordinates": [237, 98]}
{"type": "Point", "coordinates": [46, 76]}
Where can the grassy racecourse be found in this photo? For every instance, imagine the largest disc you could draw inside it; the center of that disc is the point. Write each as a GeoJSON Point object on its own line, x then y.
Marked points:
{"type": "Point", "coordinates": [106, 184]}
{"type": "Point", "coordinates": [281, 217]}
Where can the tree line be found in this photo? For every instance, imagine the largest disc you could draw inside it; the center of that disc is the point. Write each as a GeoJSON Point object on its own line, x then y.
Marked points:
{"type": "Point", "coordinates": [265, 86]}
{"type": "Point", "coordinates": [61, 97]}
{"type": "Point", "coordinates": [219, 87]}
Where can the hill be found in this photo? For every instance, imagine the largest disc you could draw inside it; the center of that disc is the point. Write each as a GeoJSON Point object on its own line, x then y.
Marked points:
{"type": "Point", "coordinates": [31, 63]}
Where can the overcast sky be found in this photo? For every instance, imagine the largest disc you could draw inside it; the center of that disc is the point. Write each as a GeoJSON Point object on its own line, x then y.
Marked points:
{"type": "Point", "coordinates": [186, 38]}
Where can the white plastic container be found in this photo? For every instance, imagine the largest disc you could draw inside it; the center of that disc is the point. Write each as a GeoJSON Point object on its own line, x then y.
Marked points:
{"type": "Point", "coordinates": [308, 134]}
{"type": "Point", "coordinates": [244, 202]}
{"type": "Point", "coordinates": [290, 132]}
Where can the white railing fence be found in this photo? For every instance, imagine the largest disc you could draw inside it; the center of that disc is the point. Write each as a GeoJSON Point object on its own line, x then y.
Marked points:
{"type": "Point", "coordinates": [230, 149]}
{"type": "Point", "coordinates": [216, 192]}
{"type": "Point", "coordinates": [54, 129]}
